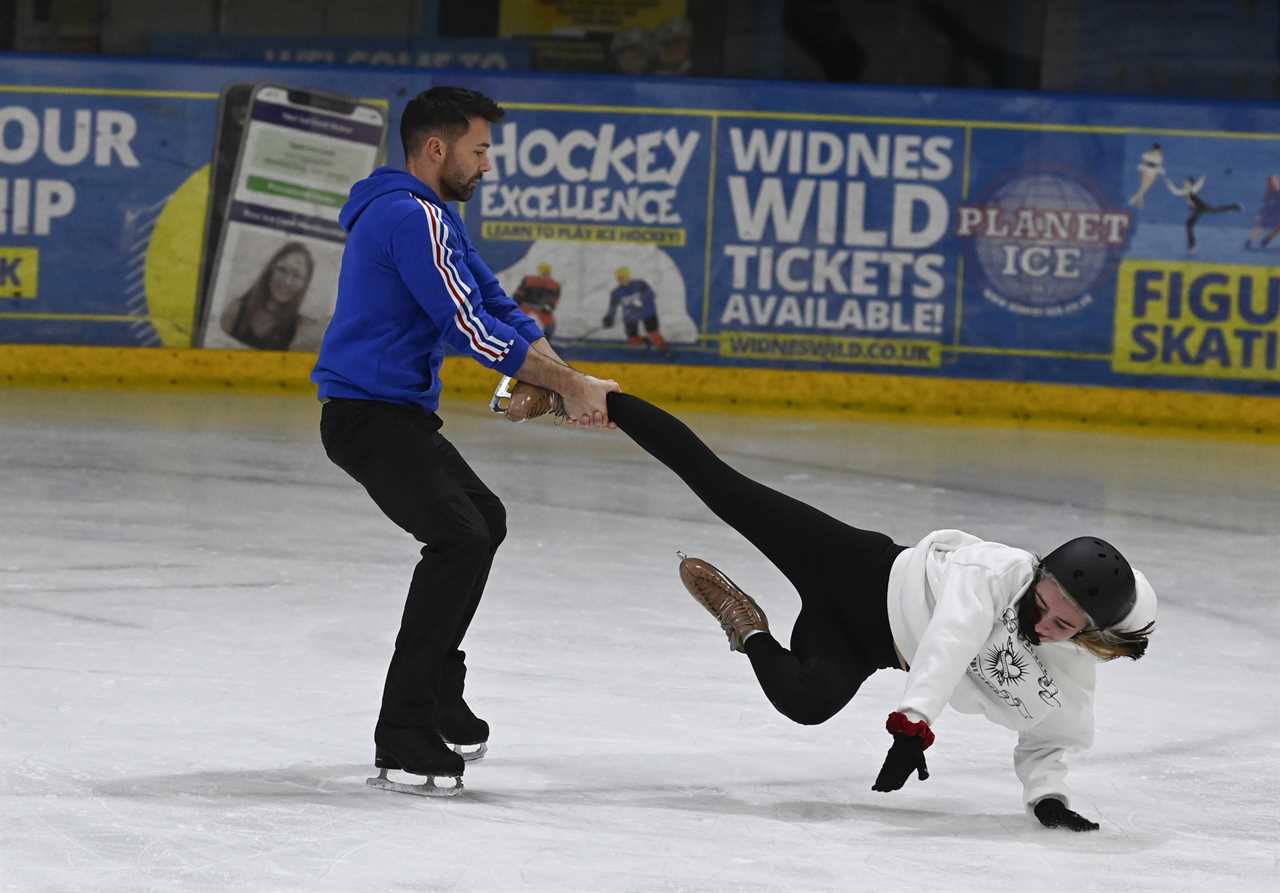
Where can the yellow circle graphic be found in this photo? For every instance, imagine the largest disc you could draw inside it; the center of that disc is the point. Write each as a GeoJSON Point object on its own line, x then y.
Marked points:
{"type": "Point", "coordinates": [173, 260]}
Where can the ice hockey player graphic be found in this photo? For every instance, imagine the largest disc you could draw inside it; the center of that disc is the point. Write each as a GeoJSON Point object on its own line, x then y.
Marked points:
{"type": "Point", "coordinates": [1150, 169]}
{"type": "Point", "coordinates": [1267, 226]}
{"type": "Point", "coordinates": [538, 296]}
{"type": "Point", "coordinates": [1190, 190]}
{"type": "Point", "coordinates": [636, 299]}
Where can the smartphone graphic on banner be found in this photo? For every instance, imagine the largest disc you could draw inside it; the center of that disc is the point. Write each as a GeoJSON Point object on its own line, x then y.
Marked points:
{"type": "Point", "coordinates": [274, 281]}
{"type": "Point", "coordinates": [233, 114]}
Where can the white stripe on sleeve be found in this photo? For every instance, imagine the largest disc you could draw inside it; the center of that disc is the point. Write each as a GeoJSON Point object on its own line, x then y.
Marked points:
{"type": "Point", "coordinates": [463, 315]}
{"type": "Point", "coordinates": [458, 280]}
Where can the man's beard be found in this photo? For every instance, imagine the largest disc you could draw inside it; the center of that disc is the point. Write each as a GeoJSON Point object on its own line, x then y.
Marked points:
{"type": "Point", "coordinates": [456, 187]}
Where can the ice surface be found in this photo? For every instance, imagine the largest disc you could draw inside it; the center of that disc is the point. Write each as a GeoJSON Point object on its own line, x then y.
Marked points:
{"type": "Point", "coordinates": [196, 610]}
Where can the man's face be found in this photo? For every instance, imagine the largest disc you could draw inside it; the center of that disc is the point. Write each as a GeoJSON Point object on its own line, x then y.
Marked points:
{"type": "Point", "coordinates": [465, 161]}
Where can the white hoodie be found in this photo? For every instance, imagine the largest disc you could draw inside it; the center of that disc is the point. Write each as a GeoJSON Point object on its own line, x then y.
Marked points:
{"type": "Point", "coordinates": [953, 612]}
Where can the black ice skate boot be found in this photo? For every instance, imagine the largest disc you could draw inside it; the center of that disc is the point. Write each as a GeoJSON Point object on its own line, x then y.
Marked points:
{"type": "Point", "coordinates": [467, 733]}
{"type": "Point", "coordinates": [737, 612]}
{"type": "Point", "coordinates": [418, 752]}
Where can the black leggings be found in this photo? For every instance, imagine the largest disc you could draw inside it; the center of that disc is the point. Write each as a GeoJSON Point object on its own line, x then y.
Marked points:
{"type": "Point", "coordinates": [841, 635]}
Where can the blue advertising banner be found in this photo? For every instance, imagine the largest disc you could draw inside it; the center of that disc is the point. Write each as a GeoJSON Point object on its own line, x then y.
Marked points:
{"type": "Point", "coordinates": [978, 235]}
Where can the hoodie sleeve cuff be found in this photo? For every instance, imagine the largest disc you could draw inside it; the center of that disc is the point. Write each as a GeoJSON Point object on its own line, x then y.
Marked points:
{"type": "Point", "coordinates": [1033, 799]}
{"type": "Point", "coordinates": [515, 357]}
{"type": "Point", "coordinates": [530, 330]}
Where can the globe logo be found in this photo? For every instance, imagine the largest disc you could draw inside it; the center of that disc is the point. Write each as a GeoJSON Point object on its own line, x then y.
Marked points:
{"type": "Point", "coordinates": [1041, 241]}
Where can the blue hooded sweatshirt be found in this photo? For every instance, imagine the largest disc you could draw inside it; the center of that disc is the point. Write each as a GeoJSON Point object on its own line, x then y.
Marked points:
{"type": "Point", "coordinates": [412, 282]}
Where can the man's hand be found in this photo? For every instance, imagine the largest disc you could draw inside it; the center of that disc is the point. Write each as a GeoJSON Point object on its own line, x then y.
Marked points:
{"type": "Point", "coordinates": [606, 323]}
{"type": "Point", "coordinates": [1053, 813]}
{"type": "Point", "coordinates": [586, 405]}
{"type": "Point", "coordinates": [583, 395]}
{"type": "Point", "coordinates": [907, 753]}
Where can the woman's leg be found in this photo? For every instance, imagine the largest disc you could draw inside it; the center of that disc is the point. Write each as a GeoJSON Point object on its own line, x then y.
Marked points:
{"type": "Point", "coordinates": [841, 635]}
{"type": "Point", "coordinates": [813, 550]}
{"type": "Point", "coordinates": [815, 679]}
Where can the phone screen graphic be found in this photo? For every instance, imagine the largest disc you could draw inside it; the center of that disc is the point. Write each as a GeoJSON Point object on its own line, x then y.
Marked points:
{"type": "Point", "coordinates": [233, 114]}
{"type": "Point", "coordinates": [274, 280]}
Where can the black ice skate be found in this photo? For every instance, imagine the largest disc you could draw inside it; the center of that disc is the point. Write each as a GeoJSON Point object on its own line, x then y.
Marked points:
{"type": "Point", "coordinates": [461, 729]}
{"type": "Point", "coordinates": [417, 752]}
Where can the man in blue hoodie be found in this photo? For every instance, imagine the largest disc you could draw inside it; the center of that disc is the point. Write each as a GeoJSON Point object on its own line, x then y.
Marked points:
{"type": "Point", "coordinates": [411, 283]}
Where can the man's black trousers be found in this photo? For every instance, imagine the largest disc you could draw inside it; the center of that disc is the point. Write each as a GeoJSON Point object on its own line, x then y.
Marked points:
{"type": "Point", "coordinates": [423, 484]}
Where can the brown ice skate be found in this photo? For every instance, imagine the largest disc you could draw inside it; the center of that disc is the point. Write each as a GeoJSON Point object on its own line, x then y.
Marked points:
{"type": "Point", "coordinates": [520, 401]}
{"type": "Point", "coordinates": [737, 612]}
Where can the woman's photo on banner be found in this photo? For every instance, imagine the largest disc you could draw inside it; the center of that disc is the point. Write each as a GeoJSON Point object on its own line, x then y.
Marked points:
{"type": "Point", "coordinates": [280, 296]}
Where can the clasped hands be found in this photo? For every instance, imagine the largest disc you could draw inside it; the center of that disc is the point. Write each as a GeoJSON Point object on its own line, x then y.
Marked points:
{"type": "Point", "coordinates": [588, 408]}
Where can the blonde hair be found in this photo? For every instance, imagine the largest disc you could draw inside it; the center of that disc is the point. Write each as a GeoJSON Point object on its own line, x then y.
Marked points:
{"type": "Point", "coordinates": [1108, 644]}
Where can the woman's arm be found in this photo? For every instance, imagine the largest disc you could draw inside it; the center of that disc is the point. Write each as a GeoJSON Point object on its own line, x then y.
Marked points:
{"type": "Point", "coordinates": [1040, 755]}
{"type": "Point", "coordinates": [973, 595]}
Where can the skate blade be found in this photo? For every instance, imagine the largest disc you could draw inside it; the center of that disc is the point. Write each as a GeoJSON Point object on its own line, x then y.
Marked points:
{"type": "Point", "coordinates": [501, 398]}
{"type": "Point", "coordinates": [471, 756]}
{"type": "Point", "coordinates": [426, 789]}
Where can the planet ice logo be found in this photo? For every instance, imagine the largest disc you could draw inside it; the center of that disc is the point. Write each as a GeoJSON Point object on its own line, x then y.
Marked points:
{"type": "Point", "coordinates": [1042, 240]}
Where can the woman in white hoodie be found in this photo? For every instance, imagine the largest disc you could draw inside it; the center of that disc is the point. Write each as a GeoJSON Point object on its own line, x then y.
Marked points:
{"type": "Point", "coordinates": [984, 627]}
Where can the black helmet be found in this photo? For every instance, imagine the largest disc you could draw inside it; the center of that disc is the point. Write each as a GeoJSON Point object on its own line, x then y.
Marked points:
{"type": "Point", "coordinates": [1097, 576]}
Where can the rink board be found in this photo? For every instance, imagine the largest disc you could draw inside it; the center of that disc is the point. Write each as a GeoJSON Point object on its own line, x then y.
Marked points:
{"type": "Point", "coordinates": [817, 229]}
{"type": "Point", "coordinates": [747, 390]}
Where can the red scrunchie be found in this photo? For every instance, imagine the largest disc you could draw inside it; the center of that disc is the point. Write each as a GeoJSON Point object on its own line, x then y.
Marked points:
{"type": "Point", "coordinates": [898, 724]}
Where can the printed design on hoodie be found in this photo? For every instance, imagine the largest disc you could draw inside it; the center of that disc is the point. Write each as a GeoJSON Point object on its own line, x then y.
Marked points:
{"type": "Point", "coordinates": [1004, 665]}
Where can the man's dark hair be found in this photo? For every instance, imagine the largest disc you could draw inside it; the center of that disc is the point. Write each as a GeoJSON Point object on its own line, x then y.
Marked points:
{"type": "Point", "coordinates": [445, 112]}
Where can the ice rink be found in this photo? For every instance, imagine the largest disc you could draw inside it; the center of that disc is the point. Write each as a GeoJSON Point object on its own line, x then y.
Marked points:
{"type": "Point", "coordinates": [196, 610]}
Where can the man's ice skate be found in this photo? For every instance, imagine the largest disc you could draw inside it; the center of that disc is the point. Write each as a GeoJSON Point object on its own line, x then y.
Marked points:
{"type": "Point", "coordinates": [417, 752]}
{"type": "Point", "coordinates": [737, 612]}
{"type": "Point", "coordinates": [463, 731]}
{"type": "Point", "coordinates": [520, 401]}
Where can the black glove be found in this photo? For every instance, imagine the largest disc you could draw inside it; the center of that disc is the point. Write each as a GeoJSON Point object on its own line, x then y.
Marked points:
{"type": "Point", "coordinates": [1053, 813]}
{"type": "Point", "coordinates": [606, 323]}
{"type": "Point", "coordinates": [906, 755]}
